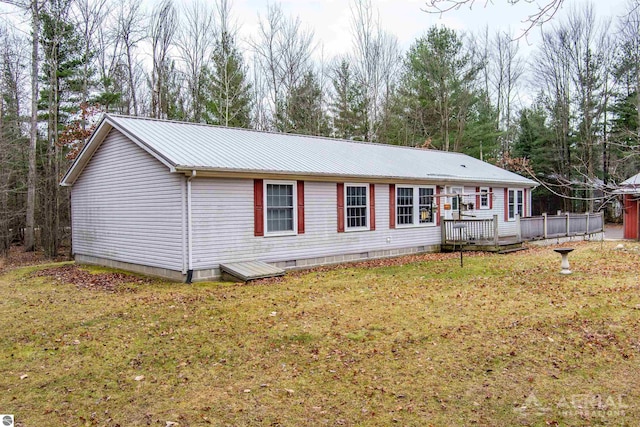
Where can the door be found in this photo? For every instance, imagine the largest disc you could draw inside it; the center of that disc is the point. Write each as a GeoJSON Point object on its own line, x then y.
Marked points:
{"type": "Point", "coordinates": [453, 202]}
{"type": "Point", "coordinates": [630, 217]}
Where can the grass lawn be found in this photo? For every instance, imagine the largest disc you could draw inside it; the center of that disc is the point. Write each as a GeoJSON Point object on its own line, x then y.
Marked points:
{"type": "Point", "coordinates": [505, 341]}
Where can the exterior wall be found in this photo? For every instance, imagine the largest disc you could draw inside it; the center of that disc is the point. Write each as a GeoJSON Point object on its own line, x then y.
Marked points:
{"type": "Point", "coordinates": [222, 211]}
{"type": "Point", "coordinates": [127, 207]}
{"type": "Point", "coordinates": [223, 215]}
{"type": "Point", "coordinates": [630, 217]}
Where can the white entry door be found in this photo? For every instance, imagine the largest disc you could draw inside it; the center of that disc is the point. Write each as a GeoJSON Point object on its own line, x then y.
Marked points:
{"type": "Point", "coordinates": [453, 201]}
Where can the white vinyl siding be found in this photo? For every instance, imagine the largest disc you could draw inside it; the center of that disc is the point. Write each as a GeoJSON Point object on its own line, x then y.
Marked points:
{"type": "Point", "coordinates": [127, 207]}
{"type": "Point", "coordinates": [222, 237]}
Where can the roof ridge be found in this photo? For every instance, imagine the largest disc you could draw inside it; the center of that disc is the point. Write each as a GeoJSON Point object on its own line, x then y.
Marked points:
{"type": "Point", "coordinates": [324, 138]}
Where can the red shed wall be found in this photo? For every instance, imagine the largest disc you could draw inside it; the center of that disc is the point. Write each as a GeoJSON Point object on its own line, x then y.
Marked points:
{"type": "Point", "coordinates": [630, 217]}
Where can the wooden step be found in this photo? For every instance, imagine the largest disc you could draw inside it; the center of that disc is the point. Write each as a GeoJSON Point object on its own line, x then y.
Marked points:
{"type": "Point", "coordinates": [250, 270]}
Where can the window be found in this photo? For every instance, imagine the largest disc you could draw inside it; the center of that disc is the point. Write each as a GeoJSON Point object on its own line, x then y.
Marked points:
{"type": "Point", "coordinates": [426, 206]}
{"type": "Point", "coordinates": [516, 203]}
{"type": "Point", "coordinates": [411, 210]}
{"type": "Point", "coordinates": [404, 205]}
{"type": "Point", "coordinates": [356, 207]}
{"type": "Point", "coordinates": [280, 207]}
{"type": "Point", "coordinates": [484, 198]}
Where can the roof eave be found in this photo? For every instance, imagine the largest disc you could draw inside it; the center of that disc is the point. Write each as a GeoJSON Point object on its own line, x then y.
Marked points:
{"type": "Point", "coordinates": [260, 173]}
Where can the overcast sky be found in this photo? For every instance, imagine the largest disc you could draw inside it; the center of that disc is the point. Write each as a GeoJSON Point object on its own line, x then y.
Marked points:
{"type": "Point", "coordinates": [330, 19]}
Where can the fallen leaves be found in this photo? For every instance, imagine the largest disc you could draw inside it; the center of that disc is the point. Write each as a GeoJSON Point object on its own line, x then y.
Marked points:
{"type": "Point", "coordinates": [108, 282]}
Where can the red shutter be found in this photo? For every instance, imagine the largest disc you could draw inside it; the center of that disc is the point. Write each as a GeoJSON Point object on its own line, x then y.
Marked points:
{"type": "Point", "coordinates": [392, 206]}
{"type": "Point", "coordinates": [258, 207]}
{"type": "Point", "coordinates": [524, 199]}
{"type": "Point", "coordinates": [437, 205]}
{"type": "Point", "coordinates": [372, 207]}
{"type": "Point", "coordinates": [477, 198]}
{"type": "Point", "coordinates": [506, 204]}
{"type": "Point", "coordinates": [340, 189]}
{"type": "Point", "coordinates": [490, 198]}
{"type": "Point", "coordinates": [300, 207]}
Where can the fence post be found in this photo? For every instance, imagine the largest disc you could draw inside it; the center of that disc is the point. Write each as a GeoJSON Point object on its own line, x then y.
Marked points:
{"type": "Point", "coordinates": [586, 233]}
{"type": "Point", "coordinates": [544, 225]}
{"type": "Point", "coordinates": [567, 214]}
{"type": "Point", "coordinates": [443, 231]}
{"type": "Point", "coordinates": [496, 238]}
{"type": "Point", "coordinates": [518, 228]}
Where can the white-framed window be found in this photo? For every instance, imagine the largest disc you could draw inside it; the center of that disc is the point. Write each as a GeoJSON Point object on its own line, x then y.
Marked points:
{"type": "Point", "coordinates": [356, 205]}
{"type": "Point", "coordinates": [515, 203]}
{"type": "Point", "coordinates": [415, 205]}
{"type": "Point", "coordinates": [280, 208]}
{"type": "Point", "coordinates": [484, 198]}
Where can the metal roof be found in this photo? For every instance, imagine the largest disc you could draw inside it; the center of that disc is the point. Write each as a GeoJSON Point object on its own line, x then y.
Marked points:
{"type": "Point", "coordinates": [192, 146]}
{"type": "Point", "coordinates": [634, 181]}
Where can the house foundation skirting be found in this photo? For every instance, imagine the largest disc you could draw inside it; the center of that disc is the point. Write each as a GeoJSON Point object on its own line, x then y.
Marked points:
{"type": "Point", "coordinates": [215, 273]}
{"type": "Point", "coordinates": [164, 273]}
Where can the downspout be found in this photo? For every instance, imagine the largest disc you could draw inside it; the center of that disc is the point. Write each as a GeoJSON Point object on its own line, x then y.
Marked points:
{"type": "Point", "coordinates": [189, 229]}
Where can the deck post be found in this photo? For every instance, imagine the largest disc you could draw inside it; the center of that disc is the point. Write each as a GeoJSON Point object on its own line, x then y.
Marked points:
{"type": "Point", "coordinates": [567, 214]}
{"type": "Point", "coordinates": [544, 225]}
{"type": "Point", "coordinates": [586, 233]}
{"type": "Point", "coordinates": [496, 238]}
{"type": "Point", "coordinates": [518, 228]}
{"type": "Point", "coordinates": [443, 231]}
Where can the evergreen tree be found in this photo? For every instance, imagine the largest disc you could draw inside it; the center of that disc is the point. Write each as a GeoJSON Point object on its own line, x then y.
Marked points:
{"type": "Point", "coordinates": [229, 91]}
{"type": "Point", "coordinates": [348, 104]}
{"type": "Point", "coordinates": [305, 114]}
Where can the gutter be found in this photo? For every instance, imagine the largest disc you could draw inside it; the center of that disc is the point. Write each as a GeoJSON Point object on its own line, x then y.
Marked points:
{"type": "Point", "coordinates": [189, 229]}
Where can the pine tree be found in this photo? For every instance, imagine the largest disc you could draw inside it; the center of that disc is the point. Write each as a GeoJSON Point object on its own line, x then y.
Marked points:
{"type": "Point", "coordinates": [305, 114]}
{"type": "Point", "coordinates": [229, 91]}
{"type": "Point", "coordinates": [348, 104]}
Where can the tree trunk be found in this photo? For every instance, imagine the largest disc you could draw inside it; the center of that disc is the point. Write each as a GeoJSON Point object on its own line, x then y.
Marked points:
{"type": "Point", "coordinates": [29, 235]}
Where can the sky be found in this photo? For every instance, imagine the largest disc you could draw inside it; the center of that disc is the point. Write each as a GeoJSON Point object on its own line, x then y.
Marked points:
{"type": "Point", "coordinates": [330, 19]}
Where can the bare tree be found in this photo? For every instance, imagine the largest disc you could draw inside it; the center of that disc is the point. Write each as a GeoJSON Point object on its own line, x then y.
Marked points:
{"type": "Point", "coordinates": [195, 43]}
{"type": "Point", "coordinates": [130, 31]}
{"type": "Point", "coordinates": [162, 29]}
{"type": "Point", "coordinates": [376, 58]}
{"type": "Point", "coordinates": [546, 10]}
{"type": "Point", "coordinates": [284, 50]}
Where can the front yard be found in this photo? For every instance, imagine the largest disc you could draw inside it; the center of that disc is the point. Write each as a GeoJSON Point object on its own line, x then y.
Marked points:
{"type": "Point", "coordinates": [505, 341]}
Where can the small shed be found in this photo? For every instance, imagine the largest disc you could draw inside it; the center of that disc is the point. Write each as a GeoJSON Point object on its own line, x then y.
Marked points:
{"type": "Point", "coordinates": [630, 190]}
{"type": "Point", "coordinates": [182, 200]}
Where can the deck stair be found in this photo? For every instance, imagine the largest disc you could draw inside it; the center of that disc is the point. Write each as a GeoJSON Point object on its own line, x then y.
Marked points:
{"type": "Point", "coordinates": [249, 270]}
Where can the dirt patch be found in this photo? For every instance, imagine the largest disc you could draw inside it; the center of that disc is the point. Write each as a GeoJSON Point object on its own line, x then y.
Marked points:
{"type": "Point", "coordinates": [108, 282]}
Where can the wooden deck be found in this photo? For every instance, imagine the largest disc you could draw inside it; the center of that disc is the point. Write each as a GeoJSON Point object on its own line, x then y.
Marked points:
{"type": "Point", "coordinates": [504, 245]}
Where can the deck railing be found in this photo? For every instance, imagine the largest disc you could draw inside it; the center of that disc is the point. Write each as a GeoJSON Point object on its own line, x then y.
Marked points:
{"type": "Point", "coordinates": [528, 228]}
{"type": "Point", "coordinates": [564, 225]}
{"type": "Point", "coordinates": [468, 230]}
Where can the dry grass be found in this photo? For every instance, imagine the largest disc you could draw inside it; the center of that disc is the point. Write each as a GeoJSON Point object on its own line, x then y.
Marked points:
{"type": "Point", "coordinates": [423, 343]}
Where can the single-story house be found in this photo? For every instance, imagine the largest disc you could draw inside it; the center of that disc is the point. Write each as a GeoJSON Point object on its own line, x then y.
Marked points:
{"type": "Point", "coordinates": [179, 199]}
{"type": "Point", "coordinates": [630, 190]}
